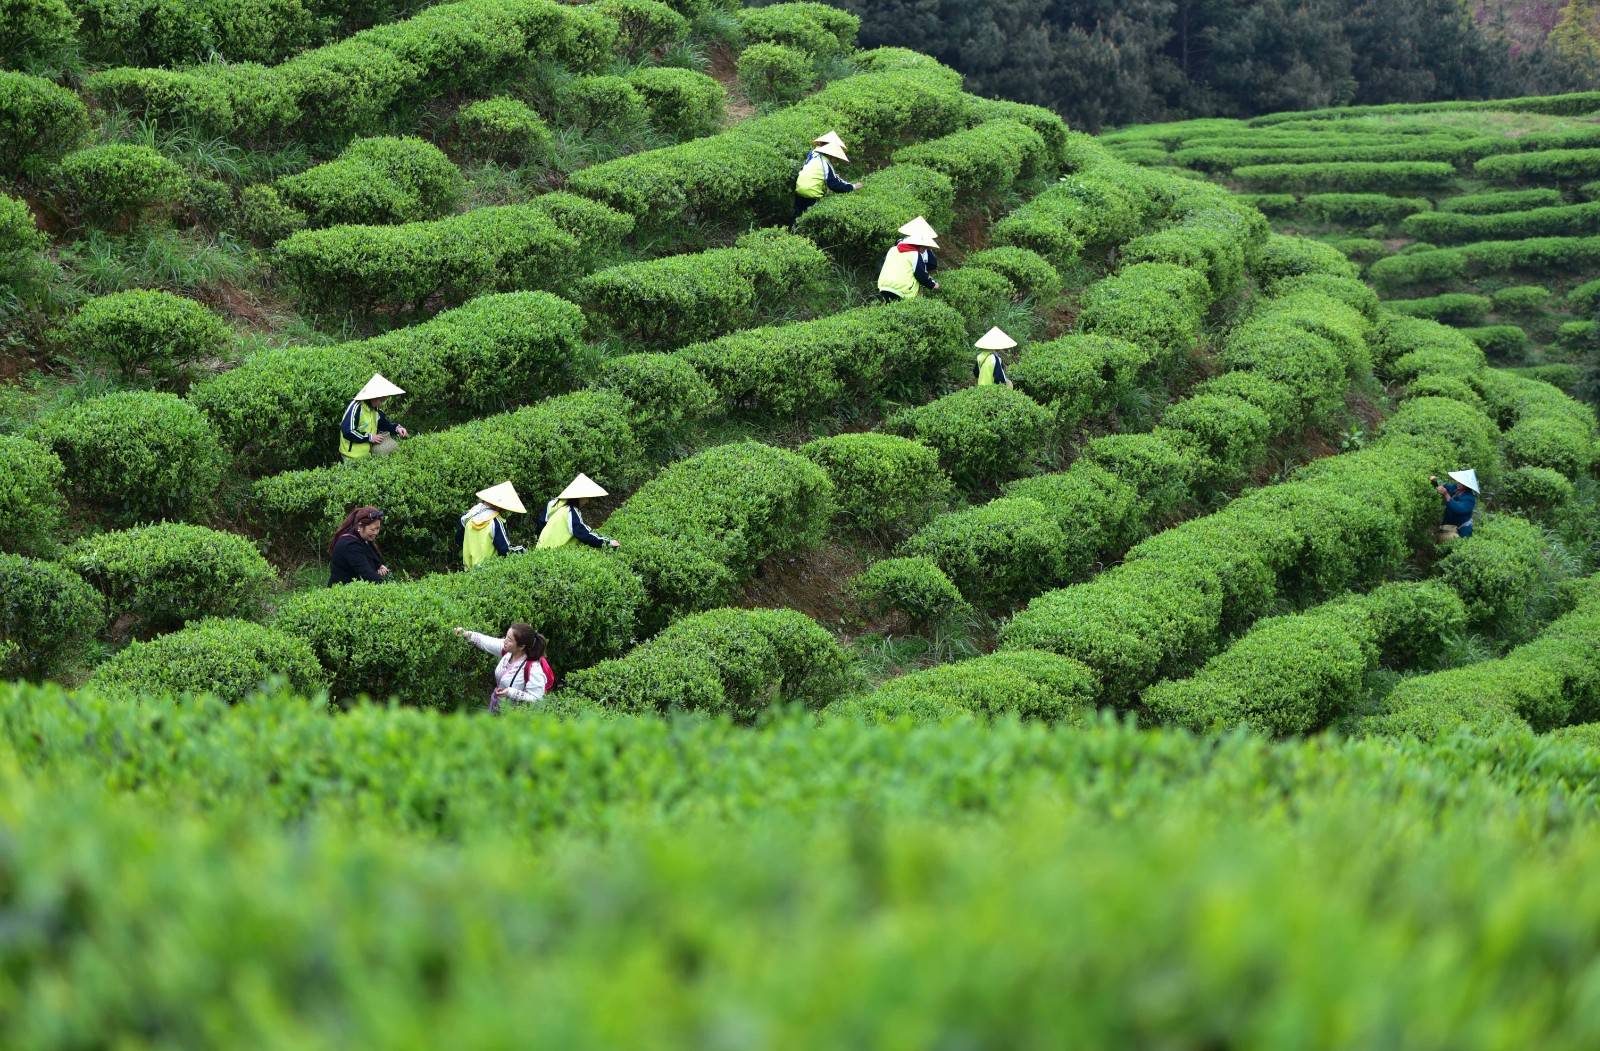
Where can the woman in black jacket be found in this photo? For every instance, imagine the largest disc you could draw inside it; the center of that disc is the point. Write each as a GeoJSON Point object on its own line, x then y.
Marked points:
{"type": "Point", "coordinates": [354, 553]}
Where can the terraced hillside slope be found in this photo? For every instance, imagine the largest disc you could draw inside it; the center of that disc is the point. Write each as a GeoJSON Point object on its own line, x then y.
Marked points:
{"type": "Point", "coordinates": [1133, 702]}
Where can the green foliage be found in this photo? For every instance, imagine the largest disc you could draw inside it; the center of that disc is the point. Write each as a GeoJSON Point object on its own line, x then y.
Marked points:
{"type": "Point", "coordinates": [983, 435]}
{"type": "Point", "coordinates": [1500, 572]}
{"type": "Point", "coordinates": [750, 168]}
{"type": "Point", "coordinates": [1085, 213]}
{"type": "Point", "coordinates": [1230, 432]}
{"type": "Point", "coordinates": [666, 394]}
{"type": "Point", "coordinates": [423, 492]}
{"type": "Point", "coordinates": [19, 235]}
{"type": "Point", "coordinates": [1502, 201]}
{"type": "Point", "coordinates": [264, 217]}
{"type": "Point", "coordinates": [115, 185]}
{"type": "Point", "coordinates": [912, 586]}
{"type": "Point", "coordinates": [1536, 492]}
{"type": "Point", "coordinates": [1506, 344]}
{"type": "Point", "coordinates": [698, 529]}
{"type": "Point", "coordinates": [168, 574]}
{"type": "Point", "coordinates": [502, 129]}
{"type": "Point", "coordinates": [1081, 377]}
{"type": "Point", "coordinates": [136, 456]}
{"type": "Point", "coordinates": [1472, 434]}
{"type": "Point", "coordinates": [998, 553]}
{"type": "Point", "coordinates": [817, 29]}
{"type": "Point", "coordinates": [144, 331]}
{"type": "Point", "coordinates": [229, 659]}
{"type": "Point", "coordinates": [1586, 297]}
{"type": "Point", "coordinates": [1361, 209]}
{"type": "Point", "coordinates": [732, 661]}
{"type": "Point", "coordinates": [1350, 291]}
{"type": "Point", "coordinates": [36, 33]}
{"type": "Point", "coordinates": [1541, 441]}
{"type": "Point", "coordinates": [682, 299]}
{"type": "Point", "coordinates": [39, 121]}
{"type": "Point", "coordinates": [1541, 166]}
{"type": "Point", "coordinates": [1287, 257]}
{"type": "Point", "coordinates": [683, 103]}
{"type": "Point", "coordinates": [479, 358]}
{"type": "Point", "coordinates": [1578, 336]}
{"type": "Point", "coordinates": [45, 609]}
{"type": "Point", "coordinates": [1029, 273]}
{"type": "Point", "coordinates": [773, 73]}
{"type": "Point", "coordinates": [1452, 308]}
{"type": "Point", "coordinates": [32, 500]}
{"type": "Point", "coordinates": [1156, 305]}
{"type": "Point", "coordinates": [1024, 684]}
{"type": "Point", "coordinates": [882, 483]}
{"type": "Point", "coordinates": [600, 104]}
{"type": "Point", "coordinates": [1458, 227]}
{"type": "Point", "coordinates": [357, 85]}
{"type": "Point", "coordinates": [984, 161]}
{"type": "Point", "coordinates": [643, 26]}
{"type": "Point", "coordinates": [860, 226]}
{"type": "Point", "coordinates": [542, 245]}
{"type": "Point", "coordinates": [1534, 255]}
{"type": "Point", "coordinates": [981, 296]}
{"type": "Point", "coordinates": [857, 356]}
{"type": "Point", "coordinates": [378, 180]}
{"type": "Point", "coordinates": [1347, 176]}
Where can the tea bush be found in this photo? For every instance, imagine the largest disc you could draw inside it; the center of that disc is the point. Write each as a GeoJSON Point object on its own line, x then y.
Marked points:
{"type": "Point", "coordinates": [1541, 166]}
{"type": "Point", "coordinates": [136, 456]}
{"type": "Point", "coordinates": [19, 234]}
{"type": "Point", "coordinates": [1086, 213]}
{"type": "Point", "coordinates": [856, 356]}
{"type": "Point", "coordinates": [1347, 176]}
{"type": "Point", "coordinates": [1029, 273]}
{"type": "Point", "coordinates": [997, 554]}
{"type": "Point", "coordinates": [771, 73]}
{"type": "Point", "coordinates": [229, 659]}
{"type": "Point", "coordinates": [681, 299]}
{"type": "Point", "coordinates": [32, 496]}
{"type": "Point", "coordinates": [882, 483]}
{"type": "Point", "coordinates": [1502, 201]}
{"type": "Point", "coordinates": [41, 122]}
{"type": "Point", "coordinates": [600, 104]}
{"type": "Point", "coordinates": [502, 129]}
{"type": "Point", "coordinates": [859, 227]}
{"type": "Point", "coordinates": [1082, 377]}
{"type": "Point", "coordinates": [732, 661]}
{"type": "Point", "coordinates": [1282, 258]}
{"type": "Point", "coordinates": [817, 29]}
{"type": "Point", "coordinates": [1521, 299]}
{"type": "Point", "coordinates": [1459, 227]}
{"type": "Point", "coordinates": [117, 184]}
{"type": "Point", "coordinates": [424, 492]}
{"type": "Point", "coordinates": [698, 529]}
{"type": "Point", "coordinates": [643, 26]}
{"type": "Point", "coordinates": [1024, 684]}
{"type": "Point", "coordinates": [1503, 343]}
{"type": "Point", "coordinates": [912, 586]}
{"type": "Point", "coordinates": [45, 609]}
{"type": "Point", "coordinates": [168, 574]}
{"type": "Point", "coordinates": [1536, 492]}
{"type": "Point", "coordinates": [38, 33]}
{"type": "Point", "coordinates": [983, 435]}
{"type": "Point", "coordinates": [1499, 572]}
{"type": "Point", "coordinates": [983, 161]}
{"type": "Point", "coordinates": [683, 103]}
{"type": "Point", "coordinates": [145, 331]}
{"type": "Point", "coordinates": [1534, 254]}
{"type": "Point", "coordinates": [485, 356]}
{"type": "Point", "coordinates": [666, 394]}
{"type": "Point", "coordinates": [376, 181]}
{"type": "Point", "coordinates": [1156, 305]}
{"type": "Point", "coordinates": [1452, 308]}
{"type": "Point", "coordinates": [541, 245]}
{"type": "Point", "coordinates": [1361, 209]}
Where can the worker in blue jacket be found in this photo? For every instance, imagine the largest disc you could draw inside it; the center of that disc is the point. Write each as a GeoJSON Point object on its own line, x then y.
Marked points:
{"type": "Point", "coordinates": [1460, 500]}
{"type": "Point", "coordinates": [817, 176]}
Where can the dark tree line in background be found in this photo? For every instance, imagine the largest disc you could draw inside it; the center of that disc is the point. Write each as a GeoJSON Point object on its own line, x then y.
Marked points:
{"type": "Point", "coordinates": [1112, 62]}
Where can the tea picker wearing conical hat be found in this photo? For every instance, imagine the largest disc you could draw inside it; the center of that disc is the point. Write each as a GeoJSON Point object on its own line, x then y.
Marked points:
{"type": "Point", "coordinates": [1460, 500]}
{"type": "Point", "coordinates": [990, 368]}
{"type": "Point", "coordinates": [561, 522]}
{"type": "Point", "coordinates": [482, 533]}
{"type": "Point", "coordinates": [365, 430]}
{"type": "Point", "coordinates": [910, 263]}
{"type": "Point", "coordinates": [817, 176]}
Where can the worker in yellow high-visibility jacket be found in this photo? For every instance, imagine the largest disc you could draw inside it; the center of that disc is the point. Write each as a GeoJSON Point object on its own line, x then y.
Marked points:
{"type": "Point", "coordinates": [817, 176]}
{"type": "Point", "coordinates": [364, 430]}
{"type": "Point", "coordinates": [909, 265]}
{"type": "Point", "coordinates": [990, 368]}
{"type": "Point", "coordinates": [562, 522]}
{"type": "Point", "coordinates": [482, 533]}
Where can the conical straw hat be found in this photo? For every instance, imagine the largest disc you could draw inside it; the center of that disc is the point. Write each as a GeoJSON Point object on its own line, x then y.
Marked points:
{"type": "Point", "coordinates": [831, 136]}
{"type": "Point", "coordinates": [834, 150]}
{"type": "Point", "coordinates": [582, 486]}
{"type": "Point", "coordinates": [1468, 478]}
{"type": "Point", "coordinates": [504, 496]}
{"type": "Point", "coordinates": [995, 339]}
{"type": "Point", "coordinates": [918, 232]}
{"type": "Point", "coordinates": [377, 387]}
